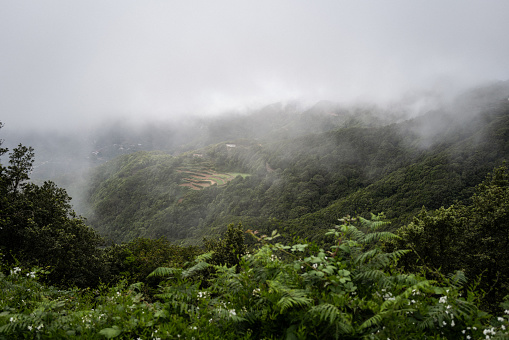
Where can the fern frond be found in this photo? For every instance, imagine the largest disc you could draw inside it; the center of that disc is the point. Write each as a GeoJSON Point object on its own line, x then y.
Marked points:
{"type": "Point", "coordinates": [334, 317]}
{"type": "Point", "coordinates": [370, 275]}
{"type": "Point", "coordinates": [465, 309]}
{"type": "Point", "coordinates": [326, 311]}
{"type": "Point", "coordinates": [379, 236]}
{"type": "Point", "coordinates": [293, 297]}
{"type": "Point", "coordinates": [376, 222]}
{"type": "Point", "coordinates": [458, 279]}
{"type": "Point", "coordinates": [235, 285]}
{"type": "Point", "coordinates": [364, 257]}
{"type": "Point", "coordinates": [436, 315]}
{"type": "Point", "coordinates": [343, 328]}
{"type": "Point", "coordinates": [164, 271]}
{"type": "Point", "coordinates": [375, 320]}
{"type": "Point", "coordinates": [352, 232]}
{"type": "Point", "coordinates": [204, 257]}
{"type": "Point", "coordinates": [194, 269]}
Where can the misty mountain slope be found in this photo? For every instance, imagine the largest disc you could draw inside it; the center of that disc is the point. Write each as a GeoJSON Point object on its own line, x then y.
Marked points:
{"type": "Point", "coordinates": [140, 194]}
{"type": "Point", "coordinates": [442, 175]}
{"type": "Point", "coordinates": [62, 153]}
{"type": "Point", "coordinates": [307, 181]}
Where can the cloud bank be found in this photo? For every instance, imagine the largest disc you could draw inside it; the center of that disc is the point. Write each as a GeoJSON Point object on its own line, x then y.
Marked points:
{"type": "Point", "coordinates": [70, 64]}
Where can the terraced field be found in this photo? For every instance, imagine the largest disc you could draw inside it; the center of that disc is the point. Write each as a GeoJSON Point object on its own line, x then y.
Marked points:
{"type": "Point", "coordinates": [200, 178]}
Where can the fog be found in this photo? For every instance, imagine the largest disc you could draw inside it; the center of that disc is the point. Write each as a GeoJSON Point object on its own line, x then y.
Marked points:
{"type": "Point", "coordinates": [67, 65]}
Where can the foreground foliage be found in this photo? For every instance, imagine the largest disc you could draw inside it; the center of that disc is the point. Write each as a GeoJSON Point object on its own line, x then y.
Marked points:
{"type": "Point", "coordinates": [353, 290]}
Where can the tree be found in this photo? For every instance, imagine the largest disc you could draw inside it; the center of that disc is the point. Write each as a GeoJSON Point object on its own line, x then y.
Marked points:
{"type": "Point", "coordinates": [229, 249]}
{"type": "Point", "coordinates": [472, 238]}
{"type": "Point", "coordinates": [39, 228]}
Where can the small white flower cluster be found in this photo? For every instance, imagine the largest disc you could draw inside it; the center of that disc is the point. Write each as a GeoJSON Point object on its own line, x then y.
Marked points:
{"type": "Point", "coordinates": [274, 257]}
{"type": "Point", "coordinates": [231, 312]}
{"type": "Point", "coordinates": [87, 321]}
{"type": "Point", "coordinates": [388, 296]}
{"type": "Point", "coordinates": [31, 274]}
{"type": "Point", "coordinates": [468, 337]}
{"type": "Point", "coordinates": [36, 328]}
{"type": "Point", "coordinates": [15, 270]}
{"type": "Point", "coordinates": [489, 332]}
{"type": "Point", "coordinates": [202, 295]}
{"type": "Point", "coordinates": [256, 292]}
{"type": "Point", "coordinates": [153, 336]}
{"type": "Point", "coordinates": [501, 319]}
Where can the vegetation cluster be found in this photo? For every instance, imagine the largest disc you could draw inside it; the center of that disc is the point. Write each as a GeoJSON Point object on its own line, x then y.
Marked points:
{"type": "Point", "coordinates": [293, 263]}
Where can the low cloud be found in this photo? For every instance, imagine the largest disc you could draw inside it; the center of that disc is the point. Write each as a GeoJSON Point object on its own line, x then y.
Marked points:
{"type": "Point", "coordinates": [66, 65]}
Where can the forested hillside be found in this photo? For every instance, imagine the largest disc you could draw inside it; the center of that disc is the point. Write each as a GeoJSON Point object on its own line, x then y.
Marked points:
{"type": "Point", "coordinates": [305, 182]}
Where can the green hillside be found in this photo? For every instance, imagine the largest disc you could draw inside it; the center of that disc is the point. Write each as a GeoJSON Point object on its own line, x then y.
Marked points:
{"type": "Point", "coordinates": [306, 182]}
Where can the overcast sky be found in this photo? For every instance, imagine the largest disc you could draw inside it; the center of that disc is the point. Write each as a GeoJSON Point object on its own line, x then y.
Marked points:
{"type": "Point", "coordinates": [72, 63]}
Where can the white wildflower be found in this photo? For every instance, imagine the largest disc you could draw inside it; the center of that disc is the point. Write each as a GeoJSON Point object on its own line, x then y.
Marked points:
{"type": "Point", "coordinates": [501, 319]}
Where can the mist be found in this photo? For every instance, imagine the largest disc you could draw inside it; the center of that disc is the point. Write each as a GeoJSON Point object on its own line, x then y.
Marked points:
{"type": "Point", "coordinates": [71, 65]}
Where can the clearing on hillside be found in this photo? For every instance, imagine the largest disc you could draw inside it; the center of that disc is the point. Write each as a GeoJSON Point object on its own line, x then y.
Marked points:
{"type": "Point", "coordinates": [200, 178]}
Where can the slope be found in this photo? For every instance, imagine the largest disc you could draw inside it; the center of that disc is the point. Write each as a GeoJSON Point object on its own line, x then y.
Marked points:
{"type": "Point", "coordinates": [309, 180]}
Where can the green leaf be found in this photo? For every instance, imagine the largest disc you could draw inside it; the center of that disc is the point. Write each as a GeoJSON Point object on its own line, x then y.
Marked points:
{"type": "Point", "coordinates": [111, 332]}
{"type": "Point", "coordinates": [164, 271]}
{"type": "Point", "coordinates": [299, 247]}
